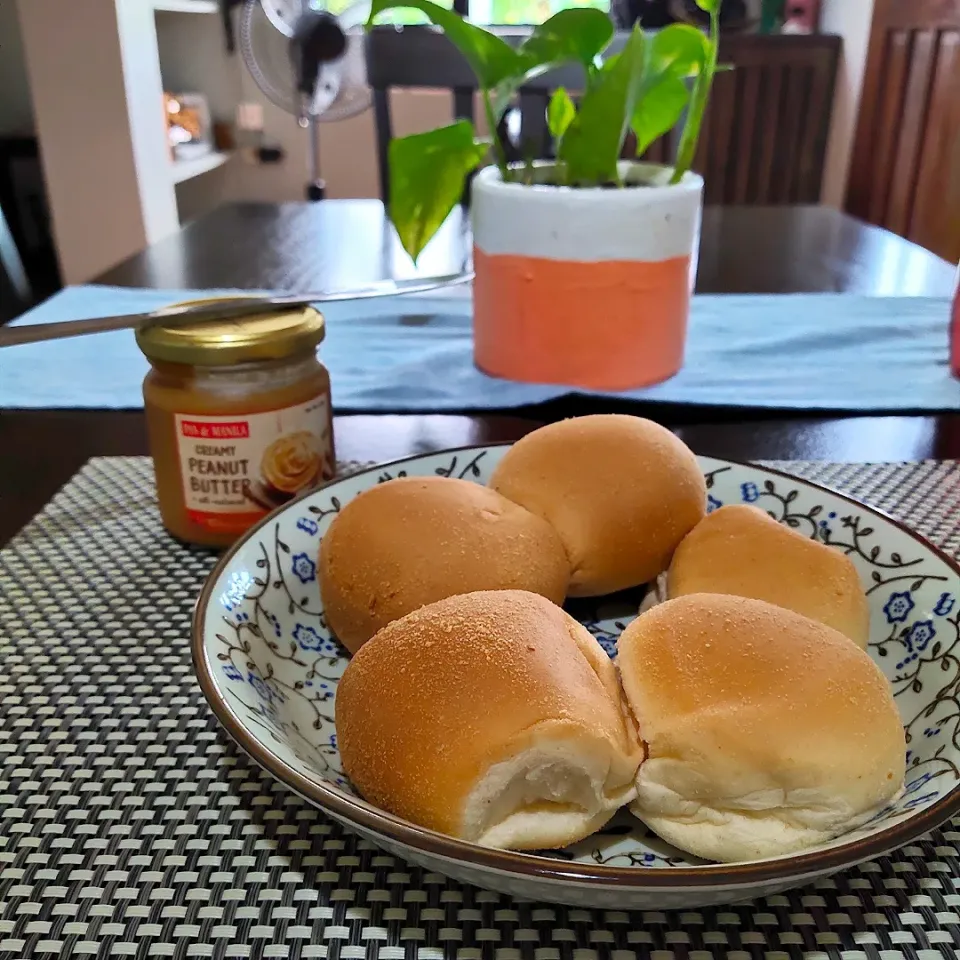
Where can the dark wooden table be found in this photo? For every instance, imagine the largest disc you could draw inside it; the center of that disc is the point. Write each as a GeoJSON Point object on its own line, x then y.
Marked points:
{"type": "Point", "coordinates": [344, 243]}
{"type": "Point", "coordinates": [340, 243]}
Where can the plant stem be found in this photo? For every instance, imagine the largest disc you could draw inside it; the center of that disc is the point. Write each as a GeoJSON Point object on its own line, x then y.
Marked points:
{"type": "Point", "coordinates": [698, 103]}
{"type": "Point", "coordinates": [498, 153]}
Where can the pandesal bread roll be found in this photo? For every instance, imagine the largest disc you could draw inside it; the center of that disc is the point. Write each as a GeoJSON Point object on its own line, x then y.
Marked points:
{"type": "Point", "coordinates": [411, 541]}
{"type": "Point", "coordinates": [493, 717]}
{"type": "Point", "coordinates": [622, 492]}
{"type": "Point", "coordinates": [766, 732]}
{"type": "Point", "coordinates": [743, 551]}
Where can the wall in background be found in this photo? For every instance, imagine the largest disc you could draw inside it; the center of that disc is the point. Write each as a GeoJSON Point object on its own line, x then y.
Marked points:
{"type": "Point", "coordinates": [348, 155]}
{"type": "Point", "coordinates": [106, 165]}
{"type": "Point", "coordinates": [193, 58]}
{"type": "Point", "coordinates": [16, 110]}
{"type": "Point", "coordinates": [851, 19]}
{"type": "Point", "coordinates": [94, 88]}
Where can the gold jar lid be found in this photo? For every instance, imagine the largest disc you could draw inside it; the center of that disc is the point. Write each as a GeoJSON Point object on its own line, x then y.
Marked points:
{"type": "Point", "coordinates": [217, 343]}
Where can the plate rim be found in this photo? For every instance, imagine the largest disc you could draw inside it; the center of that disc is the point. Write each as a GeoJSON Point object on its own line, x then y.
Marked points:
{"type": "Point", "coordinates": [358, 812]}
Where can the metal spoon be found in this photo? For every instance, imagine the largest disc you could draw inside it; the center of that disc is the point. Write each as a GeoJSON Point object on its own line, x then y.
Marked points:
{"type": "Point", "coordinates": [224, 309]}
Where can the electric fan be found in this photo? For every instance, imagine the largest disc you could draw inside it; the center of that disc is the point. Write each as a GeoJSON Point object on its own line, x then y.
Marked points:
{"type": "Point", "coordinates": [308, 62]}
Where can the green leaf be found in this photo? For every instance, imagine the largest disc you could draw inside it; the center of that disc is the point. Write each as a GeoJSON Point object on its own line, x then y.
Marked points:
{"type": "Point", "coordinates": [591, 145]}
{"type": "Point", "coordinates": [560, 113]}
{"type": "Point", "coordinates": [493, 60]}
{"type": "Point", "coordinates": [679, 49]}
{"type": "Point", "coordinates": [709, 6]}
{"type": "Point", "coordinates": [427, 176]}
{"type": "Point", "coordinates": [572, 34]}
{"type": "Point", "coordinates": [658, 110]}
{"type": "Point", "coordinates": [501, 97]}
{"type": "Point", "coordinates": [676, 52]}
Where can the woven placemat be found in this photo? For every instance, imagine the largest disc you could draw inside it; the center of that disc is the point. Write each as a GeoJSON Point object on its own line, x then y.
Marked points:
{"type": "Point", "coordinates": [130, 826]}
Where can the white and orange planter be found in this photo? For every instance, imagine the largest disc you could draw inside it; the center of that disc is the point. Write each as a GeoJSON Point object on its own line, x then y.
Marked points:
{"type": "Point", "coordinates": [585, 287]}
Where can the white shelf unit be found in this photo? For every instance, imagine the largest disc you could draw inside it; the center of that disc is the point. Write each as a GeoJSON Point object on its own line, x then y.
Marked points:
{"type": "Point", "coordinates": [183, 170]}
{"type": "Point", "coordinates": [191, 57]}
{"type": "Point", "coordinates": [185, 6]}
{"type": "Point", "coordinates": [114, 49]}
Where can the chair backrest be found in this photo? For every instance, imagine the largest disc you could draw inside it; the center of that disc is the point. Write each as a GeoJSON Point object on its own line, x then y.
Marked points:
{"type": "Point", "coordinates": [15, 292]}
{"type": "Point", "coordinates": [905, 170]}
{"type": "Point", "coordinates": [764, 135]}
{"type": "Point", "coordinates": [423, 57]}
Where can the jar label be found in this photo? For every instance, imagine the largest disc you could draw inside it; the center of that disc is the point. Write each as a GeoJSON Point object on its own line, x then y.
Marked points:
{"type": "Point", "coordinates": [236, 469]}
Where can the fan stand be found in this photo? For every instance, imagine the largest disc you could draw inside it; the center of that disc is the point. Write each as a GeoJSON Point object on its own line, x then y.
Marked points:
{"type": "Point", "coordinates": [317, 187]}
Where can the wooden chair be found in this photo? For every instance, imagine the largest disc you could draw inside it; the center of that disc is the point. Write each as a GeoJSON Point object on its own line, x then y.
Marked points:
{"type": "Point", "coordinates": [905, 170]}
{"type": "Point", "coordinates": [764, 135]}
{"type": "Point", "coordinates": [15, 292]}
{"type": "Point", "coordinates": [422, 57]}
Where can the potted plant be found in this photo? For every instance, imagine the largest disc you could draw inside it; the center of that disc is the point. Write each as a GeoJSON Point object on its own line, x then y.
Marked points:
{"type": "Point", "coordinates": [583, 265]}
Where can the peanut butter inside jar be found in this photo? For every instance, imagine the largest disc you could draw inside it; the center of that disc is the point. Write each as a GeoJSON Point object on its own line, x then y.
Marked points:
{"type": "Point", "coordinates": [239, 419]}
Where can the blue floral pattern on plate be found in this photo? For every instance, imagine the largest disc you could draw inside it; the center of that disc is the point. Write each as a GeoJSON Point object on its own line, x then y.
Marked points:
{"type": "Point", "coordinates": [304, 568]}
{"type": "Point", "coordinates": [898, 607]}
{"type": "Point", "coordinates": [279, 665]}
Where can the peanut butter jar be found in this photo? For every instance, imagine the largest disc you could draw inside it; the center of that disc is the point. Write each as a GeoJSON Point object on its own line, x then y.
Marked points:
{"type": "Point", "coordinates": [239, 419]}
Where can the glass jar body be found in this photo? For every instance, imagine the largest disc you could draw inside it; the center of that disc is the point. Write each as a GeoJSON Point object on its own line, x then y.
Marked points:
{"type": "Point", "coordinates": [231, 443]}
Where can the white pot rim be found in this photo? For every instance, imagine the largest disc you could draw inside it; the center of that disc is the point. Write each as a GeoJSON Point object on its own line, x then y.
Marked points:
{"type": "Point", "coordinates": [489, 179]}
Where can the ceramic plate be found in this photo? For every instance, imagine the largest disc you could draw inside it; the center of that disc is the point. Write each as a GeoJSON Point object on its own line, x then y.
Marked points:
{"type": "Point", "coordinates": [269, 668]}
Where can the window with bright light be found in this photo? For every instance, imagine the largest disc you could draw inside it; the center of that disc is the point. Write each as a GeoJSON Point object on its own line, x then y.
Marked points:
{"type": "Point", "coordinates": [502, 12]}
{"type": "Point", "coordinates": [521, 12]}
{"type": "Point", "coordinates": [404, 17]}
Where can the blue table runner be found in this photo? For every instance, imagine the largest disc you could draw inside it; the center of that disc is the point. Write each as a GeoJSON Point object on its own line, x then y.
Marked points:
{"type": "Point", "coordinates": [824, 352]}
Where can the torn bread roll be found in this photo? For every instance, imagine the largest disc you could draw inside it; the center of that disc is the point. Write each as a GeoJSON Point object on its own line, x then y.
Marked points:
{"type": "Point", "coordinates": [408, 542]}
{"type": "Point", "coordinates": [766, 732]}
{"type": "Point", "coordinates": [493, 717]}
{"type": "Point", "coordinates": [621, 491]}
{"type": "Point", "coordinates": [743, 551]}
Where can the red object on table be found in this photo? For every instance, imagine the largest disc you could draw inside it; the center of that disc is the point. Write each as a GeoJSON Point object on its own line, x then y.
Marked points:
{"type": "Point", "coordinates": [955, 330]}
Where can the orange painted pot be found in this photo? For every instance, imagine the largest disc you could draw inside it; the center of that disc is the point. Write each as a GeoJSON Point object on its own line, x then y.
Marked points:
{"type": "Point", "coordinates": [584, 287]}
